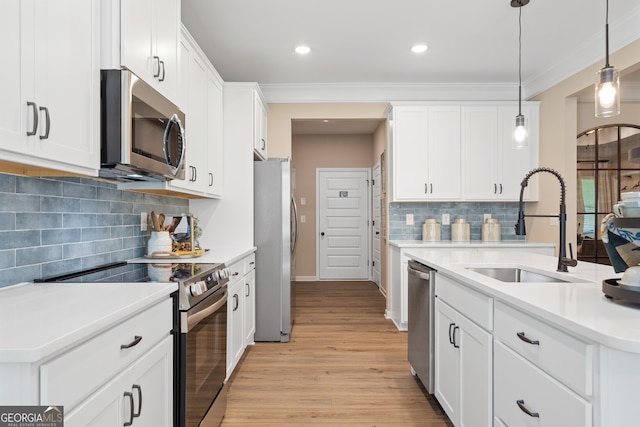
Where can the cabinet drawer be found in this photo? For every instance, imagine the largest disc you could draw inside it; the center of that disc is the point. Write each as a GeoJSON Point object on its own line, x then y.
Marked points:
{"type": "Point", "coordinates": [249, 263]}
{"type": "Point", "coordinates": [562, 356]}
{"type": "Point", "coordinates": [517, 380]}
{"type": "Point", "coordinates": [236, 271]}
{"type": "Point", "coordinates": [476, 306]}
{"type": "Point", "coordinates": [71, 377]}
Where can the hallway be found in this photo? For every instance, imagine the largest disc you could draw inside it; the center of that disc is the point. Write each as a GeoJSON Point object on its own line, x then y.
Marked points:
{"type": "Point", "coordinates": [345, 366]}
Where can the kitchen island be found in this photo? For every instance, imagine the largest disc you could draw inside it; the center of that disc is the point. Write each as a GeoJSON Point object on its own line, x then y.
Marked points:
{"type": "Point", "coordinates": [557, 353]}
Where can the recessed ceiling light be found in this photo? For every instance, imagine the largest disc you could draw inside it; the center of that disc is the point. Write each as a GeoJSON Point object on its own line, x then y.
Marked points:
{"type": "Point", "coordinates": [419, 48]}
{"type": "Point", "coordinates": [303, 50]}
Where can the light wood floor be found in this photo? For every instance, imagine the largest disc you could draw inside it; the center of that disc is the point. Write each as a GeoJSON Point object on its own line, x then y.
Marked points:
{"type": "Point", "coordinates": [346, 365]}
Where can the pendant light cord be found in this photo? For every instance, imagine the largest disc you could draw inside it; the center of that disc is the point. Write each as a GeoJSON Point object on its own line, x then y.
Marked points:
{"type": "Point", "coordinates": [606, 36]}
{"type": "Point", "coordinates": [520, 61]}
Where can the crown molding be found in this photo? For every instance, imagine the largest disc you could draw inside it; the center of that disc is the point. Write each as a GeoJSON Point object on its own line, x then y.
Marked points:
{"type": "Point", "coordinates": [385, 92]}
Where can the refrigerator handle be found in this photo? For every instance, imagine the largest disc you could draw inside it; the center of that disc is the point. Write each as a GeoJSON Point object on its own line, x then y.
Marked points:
{"type": "Point", "coordinates": [294, 246]}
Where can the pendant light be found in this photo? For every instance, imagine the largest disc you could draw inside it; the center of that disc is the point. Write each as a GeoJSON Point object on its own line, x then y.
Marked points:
{"type": "Point", "coordinates": [520, 134]}
{"type": "Point", "coordinates": [607, 83]}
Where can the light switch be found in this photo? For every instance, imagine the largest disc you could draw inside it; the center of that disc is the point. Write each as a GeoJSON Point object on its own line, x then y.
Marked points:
{"type": "Point", "coordinates": [487, 216]}
{"type": "Point", "coordinates": [303, 219]}
{"type": "Point", "coordinates": [143, 221]}
{"type": "Point", "coordinates": [303, 201]}
{"type": "Point", "coordinates": [409, 219]}
{"type": "Point", "coordinates": [445, 219]}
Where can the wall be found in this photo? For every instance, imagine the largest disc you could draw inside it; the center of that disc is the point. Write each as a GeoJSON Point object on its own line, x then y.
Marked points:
{"type": "Point", "coordinates": [56, 225]}
{"type": "Point", "coordinates": [506, 213]}
{"type": "Point", "coordinates": [310, 152]}
{"type": "Point", "coordinates": [558, 130]}
{"type": "Point", "coordinates": [629, 114]}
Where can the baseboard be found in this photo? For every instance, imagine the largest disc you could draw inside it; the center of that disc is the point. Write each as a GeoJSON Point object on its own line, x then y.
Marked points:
{"type": "Point", "coordinates": [306, 279]}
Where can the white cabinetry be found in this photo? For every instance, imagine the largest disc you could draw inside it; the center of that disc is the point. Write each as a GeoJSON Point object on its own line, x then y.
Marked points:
{"type": "Point", "coordinates": [260, 125]}
{"type": "Point", "coordinates": [425, 152]}
{"type": "Point", "coordinates": [201, 97]}
{"type": "Point", "coordinates": [463, 354]}
{"type": "Point", "coordinates": [50, 85]}
{"type": "Point", "coordinates": [241, 310]}
{"type": "Point", "coordinates": [149, 42]}
{"type": "Point", "coordinates": [492, 168]}
{"type": "Point", "coordinates": [554, 373]}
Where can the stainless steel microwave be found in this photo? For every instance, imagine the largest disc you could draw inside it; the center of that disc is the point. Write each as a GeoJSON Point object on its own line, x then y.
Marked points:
{"type": "Point", "coordinates": [142, 133]}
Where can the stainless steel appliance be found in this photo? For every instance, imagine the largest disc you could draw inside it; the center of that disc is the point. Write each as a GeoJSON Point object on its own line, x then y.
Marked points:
{"type": "Point", "coordinates": [142, 133]}
{"type": "Point", "coordinates": [200, 332]}
{"type": "Point", "coordinates": [275, 236]}
{"type": "Point", "coordinates": [421, 324]}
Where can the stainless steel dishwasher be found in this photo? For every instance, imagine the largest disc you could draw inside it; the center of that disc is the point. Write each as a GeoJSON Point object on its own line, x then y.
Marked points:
{"type": "Point", "coordinates": [421, 322]}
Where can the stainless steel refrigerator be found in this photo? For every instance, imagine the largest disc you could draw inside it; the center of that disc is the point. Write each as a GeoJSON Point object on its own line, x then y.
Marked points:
{"type": "Point", "coordinates": [275, 236]}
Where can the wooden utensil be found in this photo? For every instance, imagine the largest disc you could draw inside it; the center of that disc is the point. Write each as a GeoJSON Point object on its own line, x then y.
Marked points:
{"type": "Point", "coordinates": [154, 221]}
{"type": "Point", "coordinates": [161, 222]}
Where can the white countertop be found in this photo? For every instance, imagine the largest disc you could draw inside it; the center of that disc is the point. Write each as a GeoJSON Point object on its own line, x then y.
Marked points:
{"type": "Point", "coordinates": [213, 256]}
{"type": "Point", "coordinates": [38, 320]}
{"type": "Point", "coordinates": [579, 307]}
{"type": "Point", "coordinates": [469, 244]}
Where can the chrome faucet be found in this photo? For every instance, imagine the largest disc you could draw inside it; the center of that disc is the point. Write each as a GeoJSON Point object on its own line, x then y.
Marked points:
{"type": "Point", "coordinates": [563, 261]}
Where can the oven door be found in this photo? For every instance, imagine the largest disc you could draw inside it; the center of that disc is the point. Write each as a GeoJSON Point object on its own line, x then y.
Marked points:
{"type": "Point", "coordinates": [203, 361]}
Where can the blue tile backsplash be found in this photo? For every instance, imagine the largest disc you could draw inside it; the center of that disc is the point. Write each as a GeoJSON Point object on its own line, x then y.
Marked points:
{"type": "Point", "coordinates": [55, 225]}
{"type": "Point", "coordinates": [505, 212]}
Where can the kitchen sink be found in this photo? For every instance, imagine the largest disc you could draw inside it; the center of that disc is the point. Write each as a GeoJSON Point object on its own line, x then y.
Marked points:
{"type": "Point", "coordinates": [516, 275]}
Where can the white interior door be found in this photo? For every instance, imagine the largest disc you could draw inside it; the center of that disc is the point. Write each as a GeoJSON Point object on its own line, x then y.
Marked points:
{"type": "Point", "coordinates": [375, 270]}
{"type": "Point", "coordinates": [343, 231]}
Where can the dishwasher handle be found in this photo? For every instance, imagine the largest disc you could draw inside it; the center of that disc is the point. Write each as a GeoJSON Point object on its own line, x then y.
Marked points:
{"type": "Point", "coordinates": [418, 273]}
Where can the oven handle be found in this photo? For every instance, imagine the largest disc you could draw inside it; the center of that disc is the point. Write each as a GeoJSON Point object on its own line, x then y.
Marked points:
{"type": "Point", "coordinates": [195, 318]}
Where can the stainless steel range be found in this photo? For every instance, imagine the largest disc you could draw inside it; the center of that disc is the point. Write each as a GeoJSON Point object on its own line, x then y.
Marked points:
{"type": "Point", "coordinates": [200, 331]}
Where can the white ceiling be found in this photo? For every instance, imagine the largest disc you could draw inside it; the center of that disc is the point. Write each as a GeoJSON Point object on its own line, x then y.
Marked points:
{"type": "Point", "coordinates": [368, 41]}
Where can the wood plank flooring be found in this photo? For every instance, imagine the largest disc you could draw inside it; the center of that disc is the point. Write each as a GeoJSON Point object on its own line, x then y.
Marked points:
{"type": "Point", "coordinates": [346, 365]}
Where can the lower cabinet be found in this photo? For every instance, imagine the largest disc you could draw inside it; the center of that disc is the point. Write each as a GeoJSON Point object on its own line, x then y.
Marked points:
{"type": "Point", "coordinates": [139, 396]}
{"type": "Point", "coordinates": [463, 379]}
{"type": "Point", "coordinates": [240, 310]}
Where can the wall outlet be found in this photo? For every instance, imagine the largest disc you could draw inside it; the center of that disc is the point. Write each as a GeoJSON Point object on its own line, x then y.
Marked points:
{"type": "Point", "coordinates": [303, 219]}
{"type": "Point", "coordinates": [554, 221]}
{"type": "Point", "coordinates": [487, 216]}
{"type": "Point", "coordinates": [303, 201]}
{"type": "Point", "coordinates": [445, 219]}
{"type": "Point", "coordinates": [143, 221]}
{"type": "Point", "coordinates": [409, 219]}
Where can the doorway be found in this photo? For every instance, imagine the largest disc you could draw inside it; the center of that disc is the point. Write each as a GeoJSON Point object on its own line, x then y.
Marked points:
{"type": "Point", "coordinates": [343, 211]}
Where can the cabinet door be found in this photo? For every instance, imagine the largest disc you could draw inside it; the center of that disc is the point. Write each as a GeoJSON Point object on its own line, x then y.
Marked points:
{"type": "Point", "coordinates": [259, 126]}
{"type": "Point", "coordinates": [443, 157]}
{"type": "Point", "coordinates": [215, 150]}
{"type": "Point", "coordinates": [447, 366]}
{"type": "Point", "coordinates": [235, 319]}
{"type": "Point", "coordinates": [166, 34]}
{"type": "Point", "coordinates": [480, 161]}
{"type": "Point", "coordinates": [136, 27]}
{"type": "Point", "coordinates": [67, 79]}
{"type": "Point", "coordinates": [152, 376]}
{"type": "Point", "coordinates": [249, 307]}
{"type": "Point", "coordinates": [410, 176]}
{"type": "Point", "coordinates": [516, 163]}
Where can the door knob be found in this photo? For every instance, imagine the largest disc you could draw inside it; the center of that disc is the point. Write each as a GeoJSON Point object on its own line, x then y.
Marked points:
{"type": "Point", "coordinates": [322, 234]}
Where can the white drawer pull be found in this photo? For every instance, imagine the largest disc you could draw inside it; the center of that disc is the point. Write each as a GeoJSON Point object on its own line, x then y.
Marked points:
{"type": "Point", "coordinates": [525, 410]}
{"type": "Point", "coordinates": [522, 336]}
{"type": "Point", "coordinates": [133, 343]}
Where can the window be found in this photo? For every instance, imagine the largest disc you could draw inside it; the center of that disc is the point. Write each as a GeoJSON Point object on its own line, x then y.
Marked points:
{"type": "Point", "coordinates": [606, 167]}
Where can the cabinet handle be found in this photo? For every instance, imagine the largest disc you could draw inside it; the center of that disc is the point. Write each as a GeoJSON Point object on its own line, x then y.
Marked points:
{"type": "Point", "coordinates": [135, 342]}
{"type": "Point", "coordinates": [157, 59]}
{"type": "Point", "coordinates": [522, 336]}
{"type": "Point", "coordinates": [426, 188]}
{"type": "Point", "coordinates": [500, 188]}
{"type": "Point", "coordinates": [34, 107]}
{"type": "Point", "coordinates": [235, 302]}
{"type": "Point", "coordinates": [235, 273]}
{"type": "Point", "coordinates": [525, 410]}
{"type": "Point", "coordinates": [454, 337]}
{"type": "Point", "coordinates": [139, 389]}
{"type": "Point", "coordinates": [431, 188]}
{"type": "Point", "coordinates": [451, 325]}
{"type": "Point", "coordinates": [252, 263]}
{"type": "Point", "coordinates": [210, 179]}
{"type": "Point", "coordinates": [495, 189]}
{"type": "Point", "coordinates": [48, 123]}
{"type": "Point", "coordinates": [161, 79]}
{"type": "Point", "coordinates": [248, 289]}
{"type": "Point", "coordinates": [264, 143]}
{"type": "Point", "coordinates": [130, 396]}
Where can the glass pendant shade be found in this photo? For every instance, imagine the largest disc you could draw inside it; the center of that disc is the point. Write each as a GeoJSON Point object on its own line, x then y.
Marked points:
{"type": "Point", "coordinates": [607, 92]}
{"type": "Point", "coordinates": [520, 134]}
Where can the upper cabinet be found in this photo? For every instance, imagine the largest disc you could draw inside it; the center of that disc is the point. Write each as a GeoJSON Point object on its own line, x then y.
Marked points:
{"type": "Point", "coordinates": [492, 167]}
{"type": "Point", "coordinates": [425, 152]}
{"type": "Point", "coordinates": [460, 151]}
{"type": "Point", "coordinates": [50, 85]}
{"type": "Point", "coordinates": [143, 36]}
{"type": "Point", "coordinates": [259, 125]}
